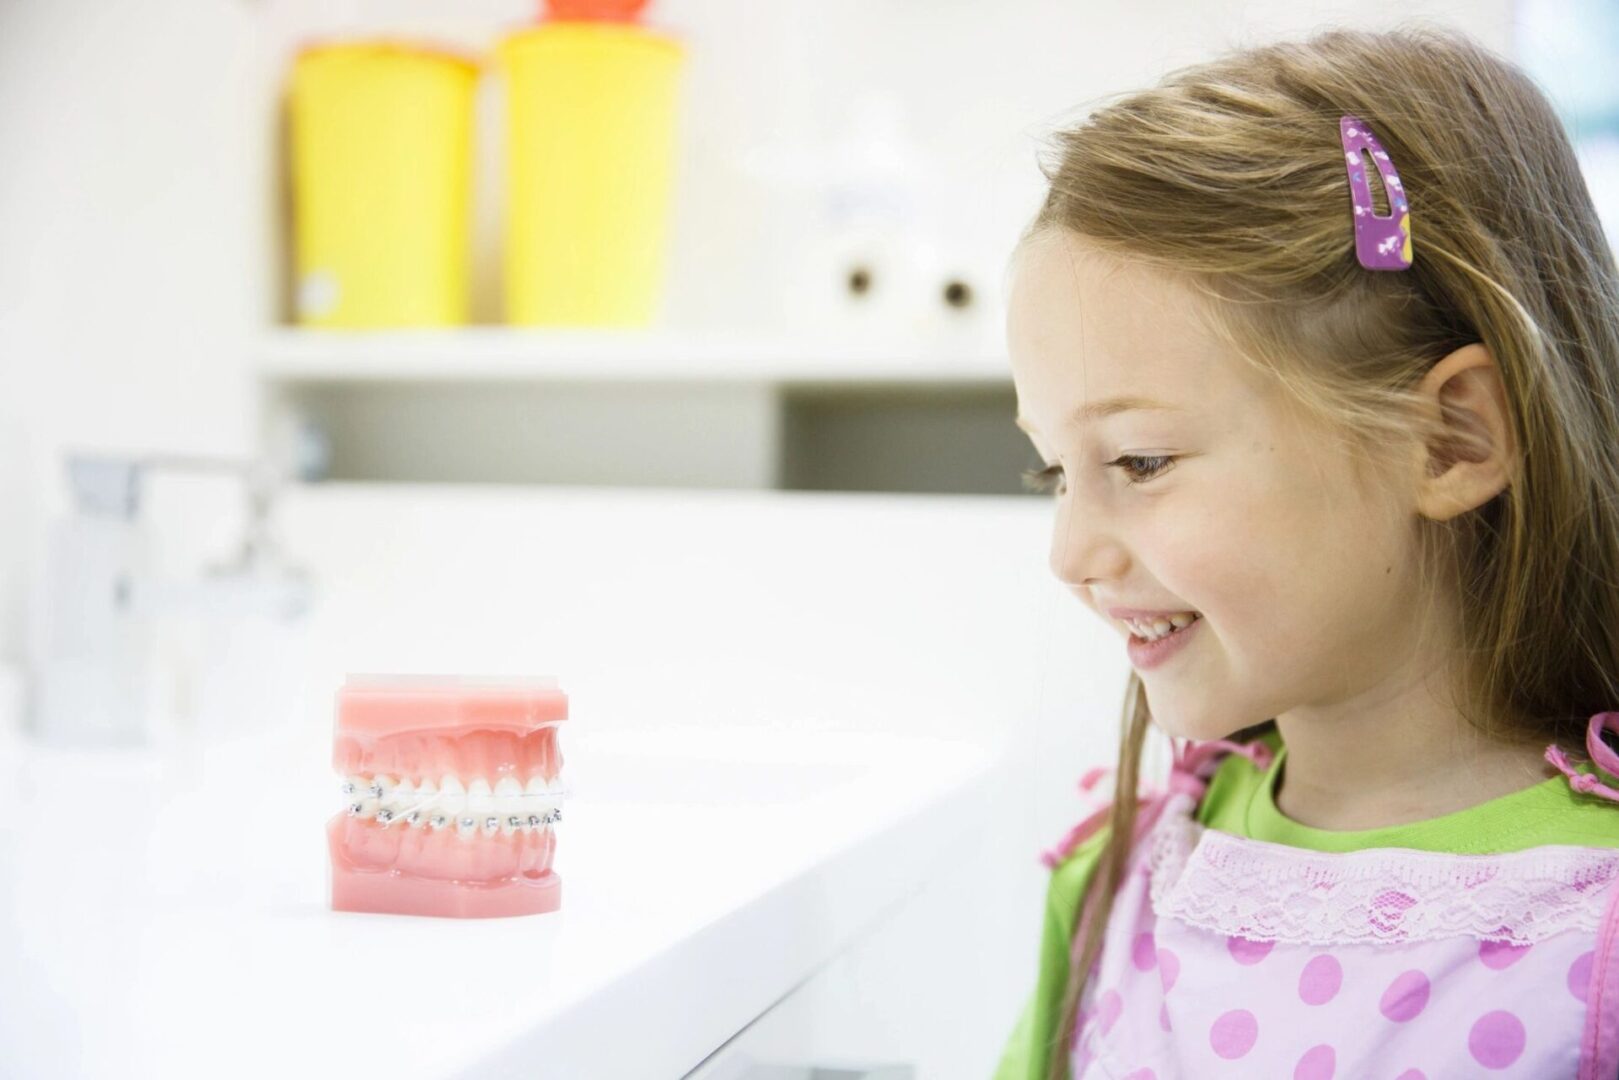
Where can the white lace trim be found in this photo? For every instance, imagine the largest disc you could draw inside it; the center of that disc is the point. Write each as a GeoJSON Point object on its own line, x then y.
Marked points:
{"type": "Point", "coordinates": [1272, 892]}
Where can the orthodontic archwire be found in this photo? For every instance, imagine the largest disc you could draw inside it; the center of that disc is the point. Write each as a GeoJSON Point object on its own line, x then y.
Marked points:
{"type": "Point", "coordinates": [387, 817]}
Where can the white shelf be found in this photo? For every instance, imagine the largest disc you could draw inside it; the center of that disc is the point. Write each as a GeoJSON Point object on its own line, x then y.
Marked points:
{"type": "Point", "coordinates": [481, 353]}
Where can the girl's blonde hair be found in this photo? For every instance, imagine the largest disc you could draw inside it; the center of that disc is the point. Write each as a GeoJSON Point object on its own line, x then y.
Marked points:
{"type": "Point", "coordinates": [1230, 177]}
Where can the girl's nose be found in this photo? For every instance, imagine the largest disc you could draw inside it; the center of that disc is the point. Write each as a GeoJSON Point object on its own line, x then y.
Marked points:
{"type": "Point", "coordinates": [1084, 549]}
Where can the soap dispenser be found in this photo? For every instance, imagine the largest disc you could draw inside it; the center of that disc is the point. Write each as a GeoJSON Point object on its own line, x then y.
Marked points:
{"type": "Point", "coordinates": [93, 634]}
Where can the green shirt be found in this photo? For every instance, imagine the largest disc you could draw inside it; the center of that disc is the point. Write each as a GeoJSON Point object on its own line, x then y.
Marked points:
{"type": "Point", "coordinates": [1240, 800]}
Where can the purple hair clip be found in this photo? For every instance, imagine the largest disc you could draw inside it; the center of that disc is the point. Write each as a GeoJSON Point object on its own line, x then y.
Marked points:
{"type": "Point", "coordinates": [1381, 242]}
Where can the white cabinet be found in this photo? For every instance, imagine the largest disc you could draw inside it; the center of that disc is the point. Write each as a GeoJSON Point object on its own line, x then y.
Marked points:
{"type": "Point", "coordinates": [931, 992]}
{"type": "Point", "coordinates": [796, 1039]}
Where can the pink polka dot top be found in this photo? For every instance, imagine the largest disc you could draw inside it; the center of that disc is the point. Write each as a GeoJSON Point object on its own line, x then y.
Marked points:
{"type": "Point", "coordinates": [1228, 956]}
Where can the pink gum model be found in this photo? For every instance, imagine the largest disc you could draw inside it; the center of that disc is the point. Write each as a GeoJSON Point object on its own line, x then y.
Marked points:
{"type": "Point", "coordinates": [453, 786]}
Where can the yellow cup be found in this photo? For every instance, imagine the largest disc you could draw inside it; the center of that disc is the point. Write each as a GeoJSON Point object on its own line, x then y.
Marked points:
{"type": "Point", "coordinates": [590, 139]}
{"type": "Point", "coordinates": [381, 138]}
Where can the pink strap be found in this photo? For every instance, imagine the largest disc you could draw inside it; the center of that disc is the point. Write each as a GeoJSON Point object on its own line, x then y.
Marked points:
{"type": "Point", "coordinates": [1189, 772]}
{"type": "Point", "coordinates": [1604, 758]}
{"type": "Point", "coordinates": [1599, 1048]}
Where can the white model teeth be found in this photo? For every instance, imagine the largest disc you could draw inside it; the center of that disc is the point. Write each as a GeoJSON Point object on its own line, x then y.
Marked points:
{"type": "Point", "coordinates": [398, 801]}
{"type": "Point", "coordinates": [452, 797]}
{"type": "Point", "coordinates": [481, 805]}
{"type": "Point", "coordinates": [480, 802]}
{"type": "Point", "coordinates": [508, 803]}
{"type": "Point", "coordinates": [1153, 629]}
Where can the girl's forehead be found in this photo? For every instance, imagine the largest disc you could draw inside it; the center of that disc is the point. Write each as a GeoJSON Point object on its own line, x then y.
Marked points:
{"type": "Point", "coordinates": [1064, 290]}
{"type": "Point", "coordinates": [1084, 327]}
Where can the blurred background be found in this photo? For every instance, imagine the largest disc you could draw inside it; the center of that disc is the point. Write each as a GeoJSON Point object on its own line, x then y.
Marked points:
{"type": "Point", "coordinates": [658, 347]}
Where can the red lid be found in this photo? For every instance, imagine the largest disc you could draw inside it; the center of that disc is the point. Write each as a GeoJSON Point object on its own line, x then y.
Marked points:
{"type": "Point", "coordinates": [594, 10]}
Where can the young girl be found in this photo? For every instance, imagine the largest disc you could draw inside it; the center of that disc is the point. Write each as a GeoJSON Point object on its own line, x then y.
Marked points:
{"type": "Point", "coordinates": [1348, 491]}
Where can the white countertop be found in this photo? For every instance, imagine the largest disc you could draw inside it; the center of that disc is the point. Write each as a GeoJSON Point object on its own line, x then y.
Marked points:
{"type": "Point", "coordinates": [165, 913]}
{"type": "Point", "coordinates": [170, 913]}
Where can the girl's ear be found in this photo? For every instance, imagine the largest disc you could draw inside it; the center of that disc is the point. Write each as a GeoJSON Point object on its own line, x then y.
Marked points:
{"type": "Point", "coordinates": [1477, 456]}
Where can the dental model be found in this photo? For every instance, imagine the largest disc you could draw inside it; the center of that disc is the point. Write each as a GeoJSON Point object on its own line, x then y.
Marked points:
{"type": "Point", "coordinates": [451, 787]}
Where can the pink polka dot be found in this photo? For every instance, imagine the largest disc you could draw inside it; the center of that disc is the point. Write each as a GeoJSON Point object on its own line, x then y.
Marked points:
{"type": "Point", "coordinates": [1142, 952]}
{"type": "Point", "coordinates": [1320, 980]}
{"type": "Point", "coordinates": [1500, 954]}
{"type": "Point", "coordinates": [1496, 1040]}
{"type": "Point", "coordinates": [1406, 996]}
{"type": "Point", "coordinates": [1579, 974]}
{"type": "Point", "coordinates": [1169, 966]}
{"type": "Point", "coordinates": [1318, 1063]}
{"type": "Point", "coordinates": [1246, 951]}
{"type": "Point", "coordinates": [1412, 1074]}
{"type": "Point", "coordinates": [1108, 1010]}
{"type": "Point", "coordinates": [1163, 1017]}
{"type": "Point", "coordinates": [1141, 1074]}
{"type": "Point", "coordinates": [1233, 1034]}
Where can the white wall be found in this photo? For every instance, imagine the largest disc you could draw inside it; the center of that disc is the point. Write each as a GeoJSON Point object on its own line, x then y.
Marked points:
{"type": "Point", "coordinates": [138, 199]}
{"type": "Point", "coordinates": [134, 224]}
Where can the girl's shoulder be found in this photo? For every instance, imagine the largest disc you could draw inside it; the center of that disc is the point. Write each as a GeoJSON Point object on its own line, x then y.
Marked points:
{"type": "Point", "coordinates": [1553, 812]}
{"type": "Point", "coordinates": [1028, 1049]}
{"type": "Point", "coordinates": [1071, 875]}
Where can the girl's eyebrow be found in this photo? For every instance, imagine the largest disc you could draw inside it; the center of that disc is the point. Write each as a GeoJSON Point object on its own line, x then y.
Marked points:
{"type": "Point", "coordinates": [1096, 410]}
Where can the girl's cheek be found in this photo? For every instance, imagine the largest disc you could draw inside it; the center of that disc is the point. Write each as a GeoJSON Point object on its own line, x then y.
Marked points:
{"type": "Point", "coordinates": [1206, 567]}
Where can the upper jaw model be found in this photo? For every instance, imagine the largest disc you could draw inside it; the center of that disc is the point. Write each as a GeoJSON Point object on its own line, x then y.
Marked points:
{"type": "Point", "coordinates": [452, 788]}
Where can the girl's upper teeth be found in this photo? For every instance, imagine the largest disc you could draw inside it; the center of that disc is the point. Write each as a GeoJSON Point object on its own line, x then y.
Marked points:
{"type": "Point", "coordinates": [1159, 626]}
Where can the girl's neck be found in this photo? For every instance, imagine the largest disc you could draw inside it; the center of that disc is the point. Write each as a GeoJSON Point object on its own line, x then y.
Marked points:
{"type": "Point", "coordinates": [1351, 777]}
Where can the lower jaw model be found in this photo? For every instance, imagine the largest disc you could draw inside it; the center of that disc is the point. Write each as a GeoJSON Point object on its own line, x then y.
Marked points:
{"type": "Point", "coordinates": [452, 788]}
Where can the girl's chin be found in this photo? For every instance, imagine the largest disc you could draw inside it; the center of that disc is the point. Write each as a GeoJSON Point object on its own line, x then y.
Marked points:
{"type": "Point", "coordinates": [1197, 730]}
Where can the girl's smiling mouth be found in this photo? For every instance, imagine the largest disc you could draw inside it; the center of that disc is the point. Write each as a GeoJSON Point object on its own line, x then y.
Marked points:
{"type": "Point", "coordinates": [1165, 637]}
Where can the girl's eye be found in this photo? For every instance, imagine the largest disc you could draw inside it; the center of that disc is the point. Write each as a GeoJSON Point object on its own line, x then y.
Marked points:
{"type": "Point", "coordinates": [1155, 466]}
{"type": "Point", "coordinates": [1137, 470]}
